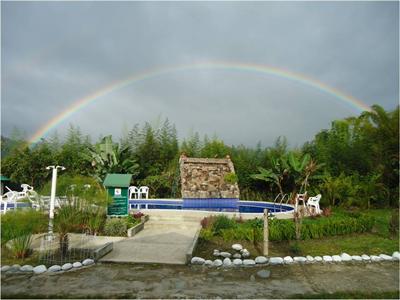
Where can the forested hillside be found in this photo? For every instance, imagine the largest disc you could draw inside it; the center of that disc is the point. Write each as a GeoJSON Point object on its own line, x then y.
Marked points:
{"type": "Point", "coordinates": [354, 163]}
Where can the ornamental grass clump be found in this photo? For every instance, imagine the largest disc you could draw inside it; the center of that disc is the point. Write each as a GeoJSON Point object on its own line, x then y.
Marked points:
{"type": "Point", "coordinates": [116, 227]}
{"type": "Point", "coordinates": [21, 245]}
{"type": "Point", "coordinates": [285, 230]}
{"type": "Point", "coordinates": [22, 222]}
{"type": "Point", "coordinates": [223, 222]}
{"type": "Point", "coordinates": [281, 230]}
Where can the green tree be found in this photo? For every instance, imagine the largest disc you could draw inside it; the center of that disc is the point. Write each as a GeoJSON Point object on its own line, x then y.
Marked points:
{"type": "Point", "coordinates": [25, 165]}
{"type": "Point", "coordinates": [73, 153]}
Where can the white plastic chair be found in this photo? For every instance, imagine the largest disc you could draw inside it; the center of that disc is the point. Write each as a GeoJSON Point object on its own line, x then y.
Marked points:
{"type": "Point", "coordinates": [300, 198]}
{"type": "Point", "coordinates": [9, 198]}
{"type": "Point", "coordinates": [133, 191]}
{"type": "Point", "coordinates": [314, 202]}
{"type": "Point", "coordinates": [144, 190]}
{"type": "Point", "coordinates": [26, 187]}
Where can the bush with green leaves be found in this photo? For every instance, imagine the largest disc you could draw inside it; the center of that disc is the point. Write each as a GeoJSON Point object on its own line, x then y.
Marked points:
{"type": "Point", "coordinates": [95, 219]}
{"type": "Point", "coordinates": [231, 178]}
{"type": "Point", "coordinates": [339, 224]}
{"type": "Point", "coordinates": [206, 234]}
{"type": "Point", "coordinates": [284, 230]}
{"type": "Point", "coordinates": [222, 222]}
{"type": "Point", "coordinates": [116, 227]}
{"type": "Point", "coordinates": [22, 222]}
{"type": "Point", "coordinates": [17, 228]}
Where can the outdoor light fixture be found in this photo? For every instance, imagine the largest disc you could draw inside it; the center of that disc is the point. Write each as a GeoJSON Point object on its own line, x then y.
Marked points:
{"type": "Point", "coordinates": [53, 197]}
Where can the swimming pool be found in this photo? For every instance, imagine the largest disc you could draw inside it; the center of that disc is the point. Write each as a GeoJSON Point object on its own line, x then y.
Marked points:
{"type": "Point", "coordinates": [222, 205]}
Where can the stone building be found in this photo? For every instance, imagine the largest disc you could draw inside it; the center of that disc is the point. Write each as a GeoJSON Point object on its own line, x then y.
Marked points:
{"type": "Point", "coordinates": [208, 178]}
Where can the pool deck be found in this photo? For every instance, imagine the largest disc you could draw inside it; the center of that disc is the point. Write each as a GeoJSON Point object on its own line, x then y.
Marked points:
{"type": "Point", "coordinates": [198, 215]}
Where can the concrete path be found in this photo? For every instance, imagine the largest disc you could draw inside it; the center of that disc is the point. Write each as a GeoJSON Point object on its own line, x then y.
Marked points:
{"type": "Point", "coordinates": [163, 240]}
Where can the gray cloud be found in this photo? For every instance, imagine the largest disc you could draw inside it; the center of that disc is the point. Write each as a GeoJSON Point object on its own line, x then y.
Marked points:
{"type": "Point", "coordinates": [54, 53]}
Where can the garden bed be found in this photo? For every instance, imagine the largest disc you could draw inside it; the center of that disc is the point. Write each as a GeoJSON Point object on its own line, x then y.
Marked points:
{"type": "Point", "coordinates": [370, 235]}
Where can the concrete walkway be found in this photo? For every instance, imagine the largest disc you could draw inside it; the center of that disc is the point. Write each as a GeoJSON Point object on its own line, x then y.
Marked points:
{"type": "Point", "coordinates": [164, 239]}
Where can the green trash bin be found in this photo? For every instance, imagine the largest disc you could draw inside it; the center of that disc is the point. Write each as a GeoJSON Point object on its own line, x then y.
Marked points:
{"type": "Point", "coordinates": [117, 187]}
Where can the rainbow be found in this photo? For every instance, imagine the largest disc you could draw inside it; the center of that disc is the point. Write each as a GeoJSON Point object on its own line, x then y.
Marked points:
{"type": "Point", "coordinates": [81, 103]}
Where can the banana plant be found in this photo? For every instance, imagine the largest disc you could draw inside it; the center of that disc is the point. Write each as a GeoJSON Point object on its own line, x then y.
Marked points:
{"type": "Point", "coordinates": [108, 157]}
{"type": "Point", "coordinates": [269, 176]}
{"type": "Point", "coordinates": [298, 167]}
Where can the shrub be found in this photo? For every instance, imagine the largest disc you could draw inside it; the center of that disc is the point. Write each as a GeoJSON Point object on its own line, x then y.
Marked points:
{"type": "Point", "coordinates": [137, 214]}
{"type": "Point", "coordinates": [116, 227]}
{"type": "Point", "coordinates": [295, 248]}
{"type": "Point", "coordinates": [223, 222]}
{"type": "Point", "coordinates": [206, 234]}
{"type": "Point", "coordinates": [95, 220]}
{"type": "Point", "coordinates": [21, 246]}
{"type": "Point", "coordinates": [231, 178]}
{"type": "Point", "coordinates": [22, 222]}
{"type": "Point", "coordinates": [280, 230]}
{"type": "Point", "coordinates": [284, 230]}
{"type": "Point", "coordinates": [207, 222]}
{"type": "Point", "coordinates": [132, 220]}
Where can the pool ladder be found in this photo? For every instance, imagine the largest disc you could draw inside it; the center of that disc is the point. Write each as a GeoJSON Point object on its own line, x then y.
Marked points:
{"type": "Point", "coordinates": [283, 196]}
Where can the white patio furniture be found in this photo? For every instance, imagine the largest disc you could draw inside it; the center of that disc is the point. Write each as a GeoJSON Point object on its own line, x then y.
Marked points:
{"type": "Point", "coordinates": [144, 190]}
{"type": "Point", "coordinates": [133, 192]}
{"type": "Point", "coordinates": [300, 198]}
{"type": "Point", "coordinates": [26, 190]}
{"type": "Point", "coordinates": [7, 199]}
{"type": "Point", "coordinates": [26, 187]}
{"type": "Point", "coordinates": [313, 202]}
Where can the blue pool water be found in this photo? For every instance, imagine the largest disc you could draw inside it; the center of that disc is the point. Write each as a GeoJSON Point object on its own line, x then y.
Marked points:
{"type": "Point", "coordinates": [228, 205]}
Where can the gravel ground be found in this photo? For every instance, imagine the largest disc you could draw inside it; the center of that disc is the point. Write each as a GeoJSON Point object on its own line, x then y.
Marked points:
{"type": "Point", "coordinates": [164, 281]}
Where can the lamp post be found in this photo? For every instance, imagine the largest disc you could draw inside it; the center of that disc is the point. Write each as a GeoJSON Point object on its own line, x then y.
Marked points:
{"type": "Point", "coordinates": [53, 196]}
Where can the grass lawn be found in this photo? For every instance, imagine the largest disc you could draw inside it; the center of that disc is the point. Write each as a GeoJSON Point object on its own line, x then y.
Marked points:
{"type": "Point", "coordinates": [380, 240]}
{"type": "Point", "coordinates": [353, 244]}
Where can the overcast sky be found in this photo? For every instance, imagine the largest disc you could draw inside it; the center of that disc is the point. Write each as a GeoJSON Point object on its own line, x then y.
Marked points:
{"type": "Point", "coordinates": [55, 53]}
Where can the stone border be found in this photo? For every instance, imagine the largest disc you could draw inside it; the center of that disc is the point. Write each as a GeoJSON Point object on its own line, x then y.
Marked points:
{"type": "Point", "coordinates": [189, 252]}
{"type": "Point", "coordinates": [138, 227]}
{"type": "Point", "coordinates": [100, 252]}
{"type": "Point", "coordinates": [262, 260]}
{"type": "Point", "coordinates": [40, 269]}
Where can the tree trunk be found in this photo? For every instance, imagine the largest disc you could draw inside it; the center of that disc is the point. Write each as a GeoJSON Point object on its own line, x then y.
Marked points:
{"type": "Point", "coordinates": [64, 243]}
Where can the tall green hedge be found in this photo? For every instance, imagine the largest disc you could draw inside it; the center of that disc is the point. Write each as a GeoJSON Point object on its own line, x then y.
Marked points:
{"type": "Point", "coordinates": [283, 230]}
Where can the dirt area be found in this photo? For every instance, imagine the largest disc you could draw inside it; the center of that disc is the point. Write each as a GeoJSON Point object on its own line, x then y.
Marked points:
{"type": "Point", "coordinates": [205, 248]}
{"type": "Point", "coordinates": [162, 281]}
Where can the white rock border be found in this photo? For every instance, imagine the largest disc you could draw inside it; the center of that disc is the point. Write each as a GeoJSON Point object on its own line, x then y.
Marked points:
{"type": "Point", "coordinates": [54, 269]}
{"type": "Point", "coordinates": [323, 259]}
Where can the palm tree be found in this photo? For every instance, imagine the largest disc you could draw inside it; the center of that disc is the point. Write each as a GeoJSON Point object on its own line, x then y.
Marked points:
{"type": "Point", "coordinates": [83, 210]}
